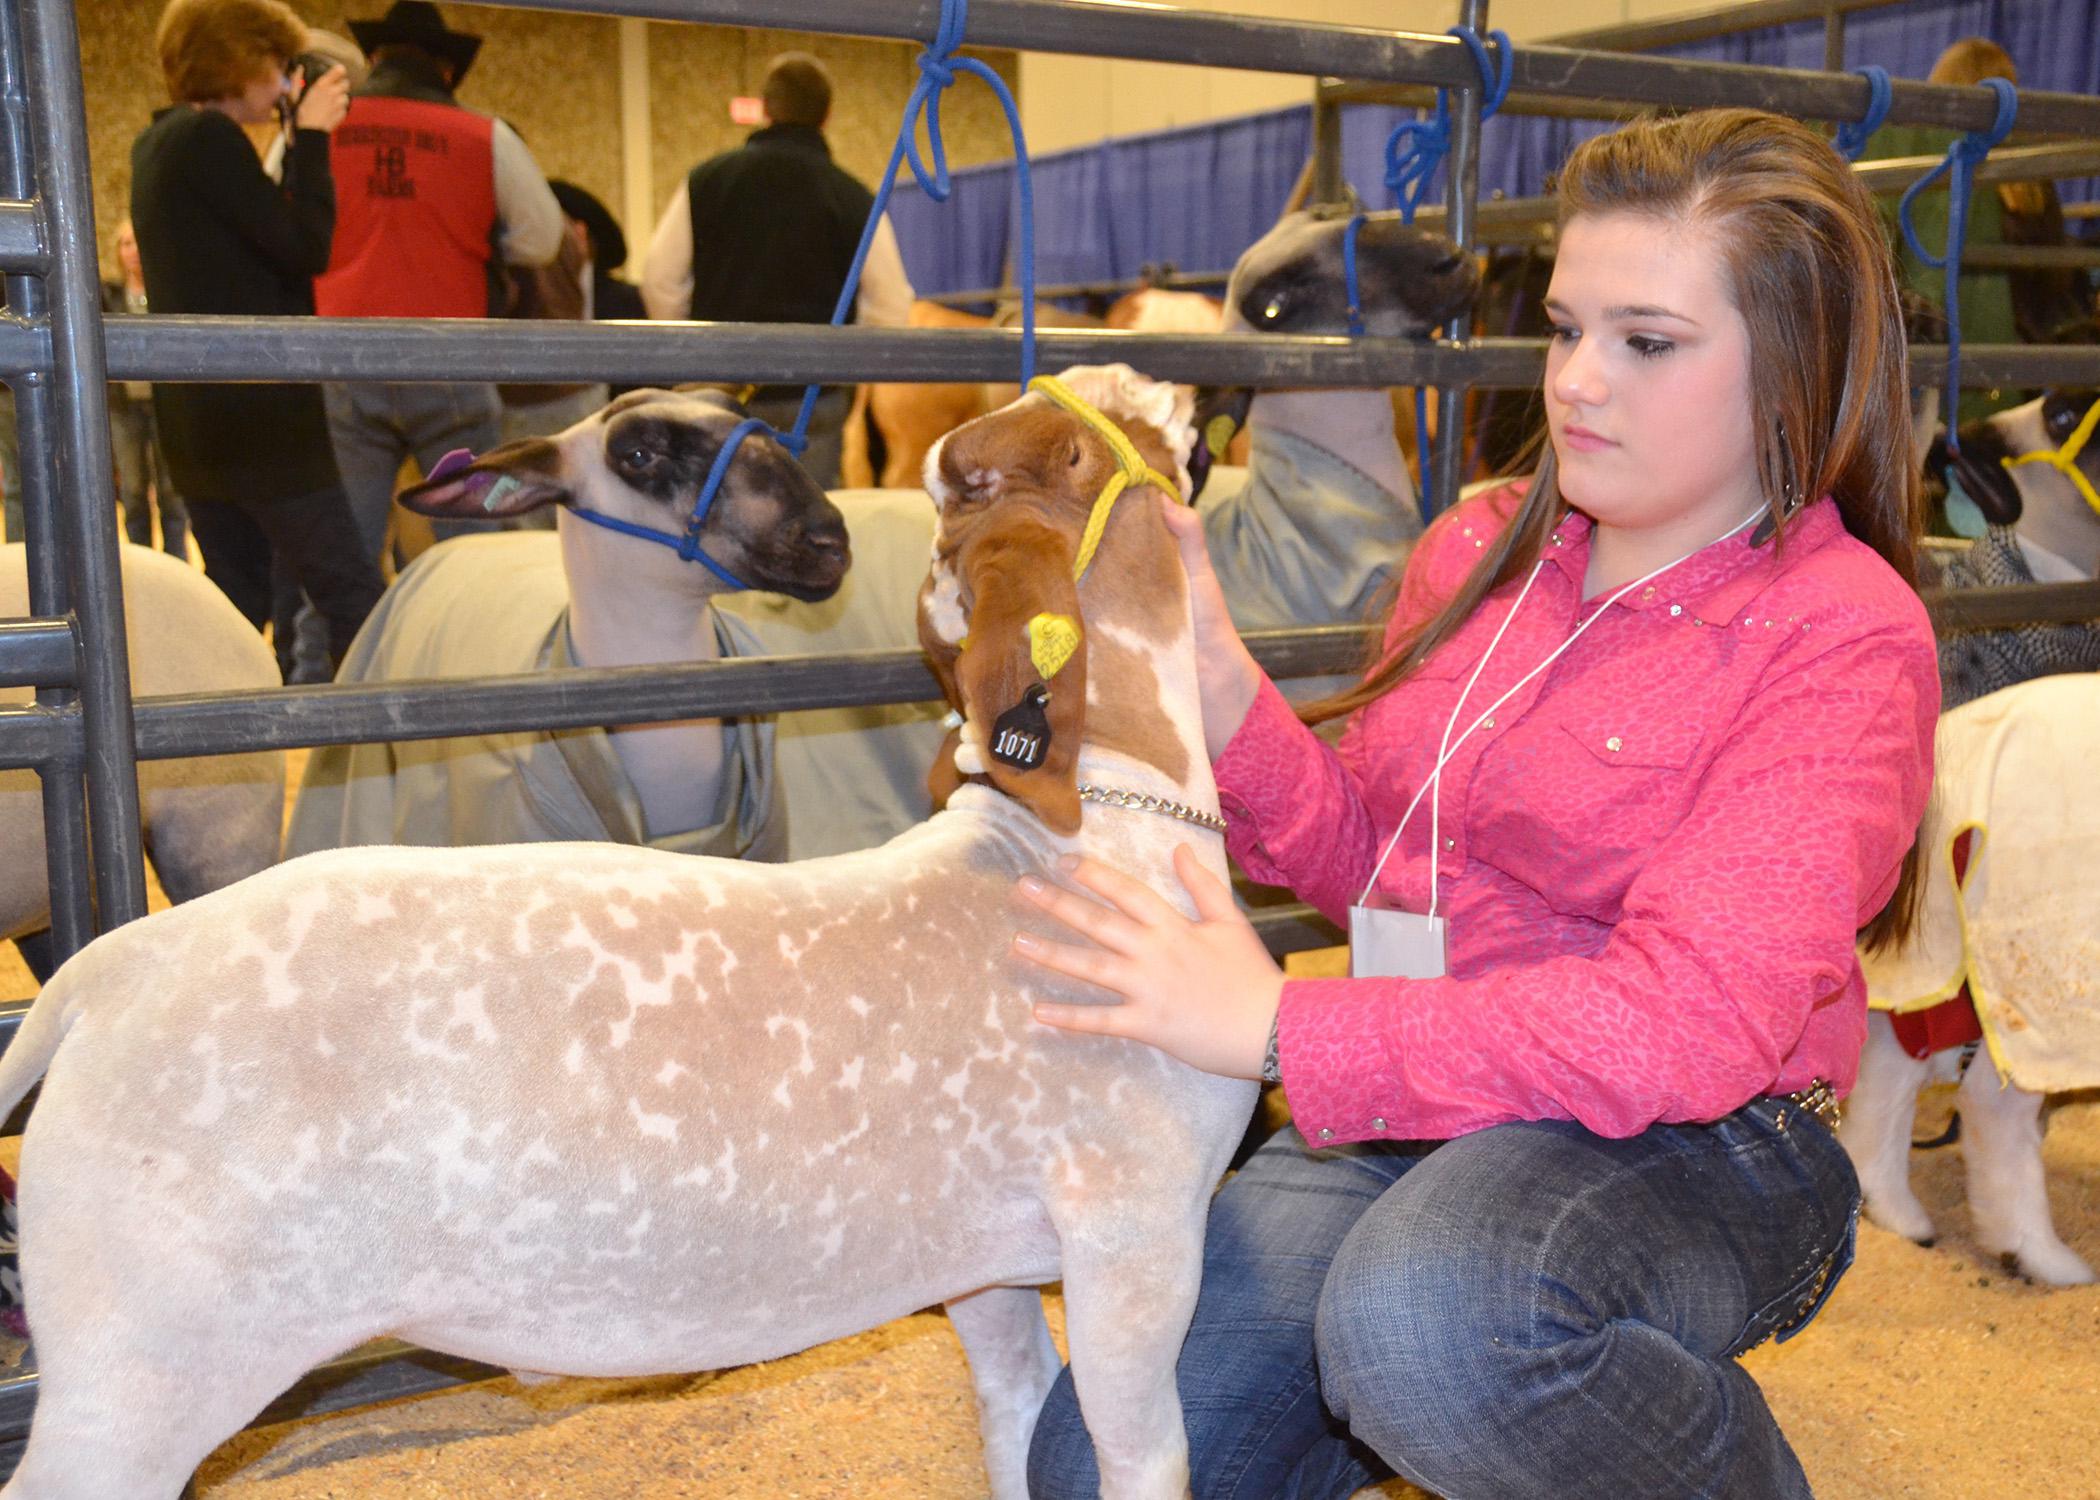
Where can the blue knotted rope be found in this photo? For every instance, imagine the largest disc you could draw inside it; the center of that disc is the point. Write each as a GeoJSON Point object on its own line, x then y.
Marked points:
{"type": "Point", "coordinates": [1413, 152]}
{"type": "Point", "coordinates": [938, 66]}
{"type": "Point", "coordinates": [1960, 167]}
{"type": "Point", "coordinates": [1851, 138]}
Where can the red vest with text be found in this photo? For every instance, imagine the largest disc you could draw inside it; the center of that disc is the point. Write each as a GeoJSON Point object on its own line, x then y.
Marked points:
{"type": "Point", "coordinates": [415, 212]}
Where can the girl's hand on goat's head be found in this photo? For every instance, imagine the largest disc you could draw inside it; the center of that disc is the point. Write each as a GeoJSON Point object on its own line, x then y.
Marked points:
{"type": "Point", "coordinates": [1205, 991]}
{"type": "Point", "coordinates": [1226, 675]}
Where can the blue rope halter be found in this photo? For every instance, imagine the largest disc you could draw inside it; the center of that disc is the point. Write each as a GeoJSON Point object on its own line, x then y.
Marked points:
{"type": "Point", "coordinates": [687, 543]}
{"type": "Point", "coordinates": [1960, 167]}
{"type": "Point", "coordinates": [938, 66]}
{"type": "Point", "coordinates": [1413, 152]}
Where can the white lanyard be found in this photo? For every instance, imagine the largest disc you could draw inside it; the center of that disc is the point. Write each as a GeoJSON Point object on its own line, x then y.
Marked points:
{"type": "Point", "coordinates": [1449, 747]}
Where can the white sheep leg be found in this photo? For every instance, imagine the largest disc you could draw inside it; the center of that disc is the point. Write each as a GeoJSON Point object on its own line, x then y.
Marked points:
{"type": "Point", "coordinates": [1013, 1364]}
{"type": "Point", "coordinates": [1129, 1296]}
{"type": "Point", "coordinates": [2008, 1194]}
{"type": "Point", "coordinates": [1875, 1131]}
{"type": "Point", "coordinates": [114, 1423]}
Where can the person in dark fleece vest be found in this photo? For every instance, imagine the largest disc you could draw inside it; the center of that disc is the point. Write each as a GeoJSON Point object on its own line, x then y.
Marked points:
{"type": "Point", "coordinates": [216, 235]}
{"type": "Point", "coordinates": [432, 201]}
{"type": "Point", "coordinates": [766, 234]}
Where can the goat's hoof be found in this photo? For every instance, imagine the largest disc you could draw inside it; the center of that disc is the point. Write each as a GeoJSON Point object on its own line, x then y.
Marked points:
{"type": "Point", "coordinates": [1901, 1214]}
{"type": "Point", "coordinates": [2055, 1264]}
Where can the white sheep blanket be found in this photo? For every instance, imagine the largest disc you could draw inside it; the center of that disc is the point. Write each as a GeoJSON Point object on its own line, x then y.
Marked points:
{"type": "Point", "coordinates": [2019, 768]}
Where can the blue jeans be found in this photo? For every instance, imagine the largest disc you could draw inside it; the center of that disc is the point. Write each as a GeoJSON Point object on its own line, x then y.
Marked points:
{"type": "Point", "coordinates": [1531, 1312]}
{"type": "Point", "coordinates": [375, 426]}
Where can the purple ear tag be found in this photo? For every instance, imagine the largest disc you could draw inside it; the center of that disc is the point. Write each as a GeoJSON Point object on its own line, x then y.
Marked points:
{"type": "Point", "coordinates": [450, 464]}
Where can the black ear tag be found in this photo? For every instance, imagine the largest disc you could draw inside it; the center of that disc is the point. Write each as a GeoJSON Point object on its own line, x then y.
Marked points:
{"type": "Point", "coordinates": [1021, 735]}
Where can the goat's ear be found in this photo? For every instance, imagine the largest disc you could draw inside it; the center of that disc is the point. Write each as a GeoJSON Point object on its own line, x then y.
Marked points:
{"type": "Point", "coordinates": [506, 481]}
{"type": "Point", "coordinates": [1021, 670]}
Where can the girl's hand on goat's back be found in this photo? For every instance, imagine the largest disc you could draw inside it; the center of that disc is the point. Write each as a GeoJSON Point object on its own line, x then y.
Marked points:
{"type": "Point", "coordinates": [1226, 675]}
{"type": "Point", "coordinates": [1205, 991]}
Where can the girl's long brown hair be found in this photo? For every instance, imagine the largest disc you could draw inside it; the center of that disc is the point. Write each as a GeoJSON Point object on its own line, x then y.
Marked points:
{"type": "Point", "coordinates": [1811, 275]}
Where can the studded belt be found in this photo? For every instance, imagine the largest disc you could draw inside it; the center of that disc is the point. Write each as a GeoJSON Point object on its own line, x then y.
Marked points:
{"type": "Point", "coordinates": [1818, 1099]}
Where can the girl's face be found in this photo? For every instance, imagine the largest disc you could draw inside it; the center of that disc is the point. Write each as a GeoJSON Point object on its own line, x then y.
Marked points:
{"type": "Point", "coordinates": [1648, 379]}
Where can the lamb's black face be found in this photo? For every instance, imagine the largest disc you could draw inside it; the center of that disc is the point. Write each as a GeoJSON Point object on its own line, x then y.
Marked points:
{"type": "Point", "coordinates": [2038, 426]}
{"type": "Point", "coordinates": [1410, 281]}
{"type": "Point", "coordinates": [771, 526]}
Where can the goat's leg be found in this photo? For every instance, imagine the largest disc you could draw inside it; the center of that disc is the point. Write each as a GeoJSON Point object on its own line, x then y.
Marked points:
{"type": "Point", "coordinates": [1875, 1131]}
{"type": "Point", "coordinates": [2008, 1191]}
{"type": "Point", "coordinates": [1013, 1364]}
{"type": "Point", "coordinates": [1130, 1291]}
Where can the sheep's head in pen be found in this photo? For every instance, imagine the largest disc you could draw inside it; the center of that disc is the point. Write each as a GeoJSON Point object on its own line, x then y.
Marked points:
{"type": "Point", "coordinates": [1029, 612]}
{"type": "Point", "coordinates": [1296, 280]}
{"type": "Point", "coordinates": [2038, 462]}
{"type": "Point", "coordinates": [640, 465]}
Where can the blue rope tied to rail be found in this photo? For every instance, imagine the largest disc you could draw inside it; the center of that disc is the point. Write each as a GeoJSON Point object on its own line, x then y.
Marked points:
{"type": "Point", "coordinates": [1852, 137]}
{"type": "Point", "coordinates": [1413, 152]}
{"type": "Point", "coordinates": [938, 66]}
{"type": "Point", "coordinates": [1960, 166]}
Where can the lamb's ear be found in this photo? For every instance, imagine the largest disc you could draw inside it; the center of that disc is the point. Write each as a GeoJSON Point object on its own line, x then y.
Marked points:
{"type": "Point", "coordinates": [1021, 673]}
{"type": "Point", "coordinates": [505, 481]}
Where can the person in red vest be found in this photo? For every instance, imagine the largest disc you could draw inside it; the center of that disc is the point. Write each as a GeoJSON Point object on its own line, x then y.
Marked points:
{"type": "Point", "coordinates": [433, 200]}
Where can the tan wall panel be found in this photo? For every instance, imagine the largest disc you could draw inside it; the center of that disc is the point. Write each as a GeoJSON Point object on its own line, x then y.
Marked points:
{"type": "Point", "coordinates": [555, 78]}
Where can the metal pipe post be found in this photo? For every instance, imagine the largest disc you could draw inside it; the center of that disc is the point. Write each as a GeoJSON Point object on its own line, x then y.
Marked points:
{"type": "Point", "coordinates": [1327, 143]}
{"type": "Point", "coordinates": [81, 458]}
{"type": "Point", "coordinates": [1461, 188]}
{"type": "Point", "coordinates": [70, 881]}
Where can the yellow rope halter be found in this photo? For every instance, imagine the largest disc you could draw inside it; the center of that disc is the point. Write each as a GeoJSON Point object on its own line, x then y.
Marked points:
{"type": "Point", "coordinates": [1131, 468]}
{"type": "Point", "coordinates": [2065, 459]}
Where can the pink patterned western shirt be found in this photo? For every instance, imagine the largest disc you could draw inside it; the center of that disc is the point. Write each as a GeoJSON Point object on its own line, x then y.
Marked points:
{"type": "Point", "coordinates": [1654, 857]}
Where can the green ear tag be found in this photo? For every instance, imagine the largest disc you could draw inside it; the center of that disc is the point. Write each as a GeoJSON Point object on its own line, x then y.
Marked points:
{"type": "Point", "coordinates": [503, 486]}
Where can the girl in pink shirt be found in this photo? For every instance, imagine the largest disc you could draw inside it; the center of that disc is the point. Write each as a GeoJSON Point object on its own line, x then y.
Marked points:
{"type": "Point", "coordinates": [1643, 754]}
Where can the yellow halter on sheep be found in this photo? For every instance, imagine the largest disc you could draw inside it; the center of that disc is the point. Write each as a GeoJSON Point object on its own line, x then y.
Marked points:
{"type": "Point", "coordinates": [1131, 467]}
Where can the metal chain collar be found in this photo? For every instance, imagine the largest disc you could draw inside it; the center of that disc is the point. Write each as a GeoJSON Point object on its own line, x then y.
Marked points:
{"type": "Point", "coordinates": [1146, 802]}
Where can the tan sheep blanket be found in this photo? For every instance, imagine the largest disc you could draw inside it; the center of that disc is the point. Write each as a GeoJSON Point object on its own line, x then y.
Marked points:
{"type": "Point", "coordinates": [2019, 768]}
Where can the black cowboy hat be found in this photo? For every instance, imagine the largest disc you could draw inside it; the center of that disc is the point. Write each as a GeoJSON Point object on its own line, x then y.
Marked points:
{"type": "Point", "coordinates": [608, 244]}
{"type": "Point", "coordinates": [416, 23]}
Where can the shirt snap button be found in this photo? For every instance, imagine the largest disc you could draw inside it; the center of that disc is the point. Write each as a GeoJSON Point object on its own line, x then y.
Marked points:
{"type": "Point", "coordinates": [1326, 1135]}
{"type": "Point", "coordinates": [1677, 609]}
{"type": "Point", "coordinates": [1487, 723]}
{"type": "Point", "coordinates": [1378, 1122]}
{"type": "Point", "coordinates": [1614, 743]}
{"type": "Point", "coordinates": [1450, 843]}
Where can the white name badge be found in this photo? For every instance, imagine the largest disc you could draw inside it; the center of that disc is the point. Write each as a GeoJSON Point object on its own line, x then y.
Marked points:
{"type": "Point", "coordinates": [1388, 943]}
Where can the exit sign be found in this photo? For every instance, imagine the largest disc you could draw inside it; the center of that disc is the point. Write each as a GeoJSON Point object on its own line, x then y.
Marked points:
{"type": "Point", "coordinates": [745, 110]}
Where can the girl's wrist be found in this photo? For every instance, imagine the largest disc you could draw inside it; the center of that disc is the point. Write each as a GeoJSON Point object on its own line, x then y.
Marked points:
{"type": "Point", "coordinates": [1229, 688]}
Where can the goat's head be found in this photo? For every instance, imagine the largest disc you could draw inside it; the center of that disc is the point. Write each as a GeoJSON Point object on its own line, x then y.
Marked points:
{"type": "Point", "coordinates": [2005, 461]}
{"type": "Point", "coordinates": [642, 460]}
{"type": "Point", "coordinates": [1022, 630]}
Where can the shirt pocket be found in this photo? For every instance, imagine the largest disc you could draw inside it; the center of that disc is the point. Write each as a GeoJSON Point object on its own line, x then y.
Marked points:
{"type": "Point", "coordinates": [1602, 790]}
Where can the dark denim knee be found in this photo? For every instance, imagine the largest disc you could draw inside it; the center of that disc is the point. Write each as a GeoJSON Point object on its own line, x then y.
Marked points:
{"type": "Point", "coordinates": [1061, 1454]}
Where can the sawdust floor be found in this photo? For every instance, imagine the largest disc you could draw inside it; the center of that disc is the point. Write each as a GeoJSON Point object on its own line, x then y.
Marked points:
{"type": "Point", "coordinates": [1931, 1375]}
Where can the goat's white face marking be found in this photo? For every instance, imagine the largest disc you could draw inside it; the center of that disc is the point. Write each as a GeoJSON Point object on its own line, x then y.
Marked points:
{"type": "Point", "coordinates": [943, 605]}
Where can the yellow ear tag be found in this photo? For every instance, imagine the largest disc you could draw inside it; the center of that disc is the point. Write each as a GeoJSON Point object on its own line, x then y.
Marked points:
{"type": "Point", "coordinates": [1218, 433]}
{"type": "Point", "coordinates": [1051, 641]}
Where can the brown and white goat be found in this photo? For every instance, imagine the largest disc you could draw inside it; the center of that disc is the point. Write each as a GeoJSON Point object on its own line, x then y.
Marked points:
{"type": "Point", "coordinates": [601, 1110]}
